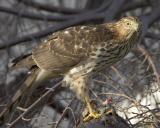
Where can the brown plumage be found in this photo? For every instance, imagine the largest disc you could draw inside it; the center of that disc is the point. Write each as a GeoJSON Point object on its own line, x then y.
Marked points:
{"type": "Point", "coordinates": [78, 52]}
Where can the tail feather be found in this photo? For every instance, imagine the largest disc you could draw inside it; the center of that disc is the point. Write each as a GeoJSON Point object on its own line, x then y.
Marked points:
{"type": "Point", "coordinates": [22, 96]}
{"type": "Point", "coordinates": [23, 89]}
{"type": "Point", "coordinates": [36, 76]}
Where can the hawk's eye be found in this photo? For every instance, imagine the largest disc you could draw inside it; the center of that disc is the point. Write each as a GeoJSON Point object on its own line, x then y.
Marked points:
{"type": "Point", "coordinates": [128, 23]}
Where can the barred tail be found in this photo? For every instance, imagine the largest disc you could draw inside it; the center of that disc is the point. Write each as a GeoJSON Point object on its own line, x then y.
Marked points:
{"type": "Point", "coordinates": [25, 87]}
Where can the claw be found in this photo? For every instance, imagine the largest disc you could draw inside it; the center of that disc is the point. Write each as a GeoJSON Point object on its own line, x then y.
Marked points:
{"type": "Point", "coordinates": [90, 116]}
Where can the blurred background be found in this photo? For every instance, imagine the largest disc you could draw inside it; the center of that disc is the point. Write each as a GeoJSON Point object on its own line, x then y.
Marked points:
{"type": "Point", "coordinates": [133, 83]}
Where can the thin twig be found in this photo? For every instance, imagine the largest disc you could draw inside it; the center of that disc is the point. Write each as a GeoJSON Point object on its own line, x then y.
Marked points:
{"type": "Point", "coordinates": [64, 112]}
{"type": "Point", "coordinates": [151, 62]}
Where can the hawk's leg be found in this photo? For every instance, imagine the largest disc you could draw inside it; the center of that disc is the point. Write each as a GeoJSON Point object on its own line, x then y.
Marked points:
{"type": "Point", "coordinates": [92, 113]}
{"type": "Point", "coordinates": [79, 84]}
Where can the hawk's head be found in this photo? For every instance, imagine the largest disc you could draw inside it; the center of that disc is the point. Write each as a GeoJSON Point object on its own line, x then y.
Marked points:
{"type": "Point", "coordinates": [128, 27]}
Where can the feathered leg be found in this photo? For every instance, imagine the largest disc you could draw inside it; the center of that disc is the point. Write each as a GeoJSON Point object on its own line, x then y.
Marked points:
{"type": "Point", "coordinates": [79, 84]}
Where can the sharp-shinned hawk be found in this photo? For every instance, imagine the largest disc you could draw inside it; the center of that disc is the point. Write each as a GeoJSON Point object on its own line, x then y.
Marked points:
{"type": "Point", "coordinates": [78, 52]}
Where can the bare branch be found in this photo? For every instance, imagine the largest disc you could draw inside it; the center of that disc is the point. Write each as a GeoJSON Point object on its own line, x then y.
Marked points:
{"type": "Point", "coordinates": [63, 114]}
{"type": "Point", "coordinates": [152, 36]}
{"type": "Point", "coordinates": [151, 62]}
{"type": "Point", "coordinates": [50, 8]}
{"type": "Point", "coordinates": [113, 10]}
{"type": "Point", "coordinates": [33, 16]}
{"type": "Point", "coordinates": [149, 19]}
{"type": "Point", "coordinates": [134, 5]}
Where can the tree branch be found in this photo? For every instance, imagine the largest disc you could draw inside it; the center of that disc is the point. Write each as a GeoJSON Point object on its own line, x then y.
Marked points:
{"type": "Point", "coordinates": [33, 16]}
{"type": "Point", "coordinates": [152, 36]}
{"type": "Point", "coordinates": [149, 19]}
{"type": "Point", "coordinates": [50, 8]}
{"type": "Point", "coordinates": [134, 5]}
{"type": "Point", "coordinates": [113, 10]}
{"type": "Point", "coordinates": [37, 16]}
{"type": "Point", "coordinates": [151, 62]}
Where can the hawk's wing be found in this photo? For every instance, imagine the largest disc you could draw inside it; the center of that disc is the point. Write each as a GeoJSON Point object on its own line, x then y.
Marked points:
{"type": "Point", "coordinates": [65, 49]}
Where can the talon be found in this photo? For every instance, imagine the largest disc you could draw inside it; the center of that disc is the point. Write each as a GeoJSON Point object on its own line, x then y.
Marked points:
{"type": "Point", "coordinates": [93, 115]}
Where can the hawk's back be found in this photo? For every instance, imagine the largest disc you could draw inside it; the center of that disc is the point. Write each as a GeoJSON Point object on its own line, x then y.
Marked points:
{"type": "Point", "coordinates": [87, 48]}
{"type": "Point", "coordinates": [68, 48]}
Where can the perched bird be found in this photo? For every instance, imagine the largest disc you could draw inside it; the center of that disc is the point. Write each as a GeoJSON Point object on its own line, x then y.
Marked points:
{"type": "Point", "coordinates": [77, 53]}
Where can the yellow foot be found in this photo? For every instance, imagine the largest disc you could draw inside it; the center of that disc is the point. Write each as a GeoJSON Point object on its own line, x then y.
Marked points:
{"type": "Point", "coordinates": [90, 116]}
